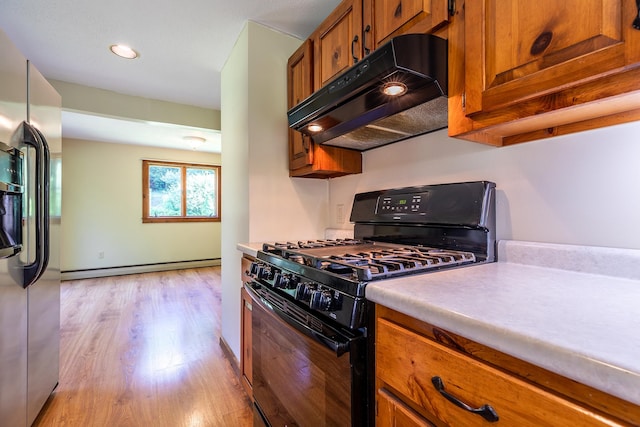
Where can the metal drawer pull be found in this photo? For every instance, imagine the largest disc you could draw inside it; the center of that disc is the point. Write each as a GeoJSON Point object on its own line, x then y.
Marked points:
{"type": "Point", "coordinates": [353, 54]}
{"type": "Point", "coordinates": [486, 411]}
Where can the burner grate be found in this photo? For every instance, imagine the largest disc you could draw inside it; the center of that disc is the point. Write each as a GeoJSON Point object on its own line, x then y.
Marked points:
{"type": "Point", "coordinates": [321, 243]}
{"type": "Point", "coordinates": [368, 260]}
{"type": "Point", "coordinates": [403, 260]}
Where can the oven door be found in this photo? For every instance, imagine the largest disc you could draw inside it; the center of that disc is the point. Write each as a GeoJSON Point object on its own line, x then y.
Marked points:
{"type": "Point", "coordinates": [304, 376]}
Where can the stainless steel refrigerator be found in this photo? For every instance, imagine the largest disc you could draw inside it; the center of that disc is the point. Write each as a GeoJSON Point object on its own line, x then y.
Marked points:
{"type": "Point", "coordinates": [30, 214]}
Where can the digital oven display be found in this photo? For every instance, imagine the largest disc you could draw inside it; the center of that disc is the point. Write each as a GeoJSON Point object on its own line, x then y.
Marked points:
{"type": "Point", "coordinates": [402, 203]}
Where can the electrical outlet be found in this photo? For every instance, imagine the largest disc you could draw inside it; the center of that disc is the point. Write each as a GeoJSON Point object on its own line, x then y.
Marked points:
{"type": "Point", "coordinates": [340, 214]}
{"type": "Point", "coordinates": [100, 255]}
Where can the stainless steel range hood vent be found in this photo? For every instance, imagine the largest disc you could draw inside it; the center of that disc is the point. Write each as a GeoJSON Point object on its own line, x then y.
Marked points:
{"type": "Point", "coordinates": [353, 111]}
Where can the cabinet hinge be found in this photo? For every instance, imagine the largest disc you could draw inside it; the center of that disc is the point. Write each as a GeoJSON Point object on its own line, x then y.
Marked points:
{"type": "Point", "coordinates": [452, 7]}
{"type": "Point", "coordinates": [464, 100]}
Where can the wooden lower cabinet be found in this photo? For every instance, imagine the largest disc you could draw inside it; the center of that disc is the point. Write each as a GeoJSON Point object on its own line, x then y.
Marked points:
{"type": "Point", "coordinates": [426, 376]}
{"type": "Point", "coordinates": [246, 357]}
{"type": "Point", "coordinates": [391, 411]}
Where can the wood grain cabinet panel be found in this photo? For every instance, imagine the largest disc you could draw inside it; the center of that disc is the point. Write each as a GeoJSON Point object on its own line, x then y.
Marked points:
{"type": "Point", "coordinates": [353, 30]}
{"type": "Point", "coordinates": [358, 27]}
{"type": "Point", "coordinates": [299, 87]}
{"type": "Point", "coordinates": [414, 371]}
{"type": "Point", "coordinates": [531, 48]}
{"type": "Point", "coordinates": [337, 42]}
{"type": "Point", "coordinates": [384, 19]}
{"type": "Point", "coordinates": [246, 357]}
{"type": "Point", "coordinates": [393, 412]}
{"type": "Point", "coordinates": [523, 70]}
{"type": "Point", "coordinates": [307, 159]}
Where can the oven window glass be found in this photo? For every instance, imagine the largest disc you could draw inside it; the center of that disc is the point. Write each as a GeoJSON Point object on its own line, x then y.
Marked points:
{"type": "Point", "coordinates": [296, 380]}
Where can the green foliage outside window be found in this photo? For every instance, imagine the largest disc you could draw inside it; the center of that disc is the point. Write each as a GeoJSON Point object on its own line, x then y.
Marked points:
{"type": "Point", "coordinates": [181, 191]}
{"type": "Point", "coordinates": [165, 191]}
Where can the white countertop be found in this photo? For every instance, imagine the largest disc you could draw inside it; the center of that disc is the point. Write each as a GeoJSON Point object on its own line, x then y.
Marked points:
{"type": "Point", "coordinates": [250, 249]}
{"type": "Point", "coordinates": [570, 309]}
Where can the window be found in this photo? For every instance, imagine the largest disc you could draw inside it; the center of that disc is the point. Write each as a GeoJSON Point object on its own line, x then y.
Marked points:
{"type": "Point", "coordinates": [180, 192]}
{"type": "Point", "coordinates": [55, 185]}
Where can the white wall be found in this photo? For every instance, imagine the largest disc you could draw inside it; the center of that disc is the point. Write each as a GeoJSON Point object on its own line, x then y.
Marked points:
{"type": "Point", "coordinates": [102, 209]}
{"type": "Point", "coordinates": [235, 185]}
{"type": "Point", "coordinates": [259, 200]}
{"type": "Point", "coordinates": [107, 103]}
{"type": "Point", "coordinates": [576, 189]}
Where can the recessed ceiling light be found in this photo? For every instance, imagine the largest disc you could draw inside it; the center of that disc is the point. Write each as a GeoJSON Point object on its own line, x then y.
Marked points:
{"type": "Point", "coordinates": [123, 51]}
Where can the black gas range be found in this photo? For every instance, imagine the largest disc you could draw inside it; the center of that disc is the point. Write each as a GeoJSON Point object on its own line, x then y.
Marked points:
{"type": "Point", "coordinates": [317, 290]}
{"type": "Point", "coordinates": [397, 233]}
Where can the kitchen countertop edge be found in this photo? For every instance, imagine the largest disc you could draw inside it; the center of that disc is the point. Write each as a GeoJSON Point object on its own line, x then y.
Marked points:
{"type": "Point", "coordinates": [250, 249]}
{"type": "Point", "coordinates": [526, 306]}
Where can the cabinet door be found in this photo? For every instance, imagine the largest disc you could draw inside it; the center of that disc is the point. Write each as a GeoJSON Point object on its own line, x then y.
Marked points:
{"type": "Point", "coordinates": [433, 377]}
{"type": "Point", "coordinates": [246, 356]}
{"type": "Point", "coordinates": [391, 412]}
{"type": "Point", "coordinates": [307, 159]}
{"type": "Point", "coordinates": [337, 42]}
{"type": "Point", "coordinates": [330, 162]}
{"type": "Point", "coordinates": [389, 18]}
{"type": "Point", "coordinates": [300, 86]}
{"type": "Point", "coordinates": [519, 49]}
{"type": "Point", "coordinates": [247, 360]}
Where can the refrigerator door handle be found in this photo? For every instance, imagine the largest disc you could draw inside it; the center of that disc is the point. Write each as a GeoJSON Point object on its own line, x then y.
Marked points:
{"type": "Point", "coordinates": [32, 272]}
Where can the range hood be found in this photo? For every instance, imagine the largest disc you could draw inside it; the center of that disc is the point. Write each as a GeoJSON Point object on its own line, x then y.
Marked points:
{"type": "Point", "coordinates": [353, 111]}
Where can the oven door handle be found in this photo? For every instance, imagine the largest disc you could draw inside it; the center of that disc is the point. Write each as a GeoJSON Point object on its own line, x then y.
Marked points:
{"type": "Point", "coordinates": [339, 347]}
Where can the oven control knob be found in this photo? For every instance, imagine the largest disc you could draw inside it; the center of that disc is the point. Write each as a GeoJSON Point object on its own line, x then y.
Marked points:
{"type": "Point", "coordinates": [285, 281]}
{"type": "Point", "coordinates": [280, 280]}
{"type": "Point", "coordinates": [321, 300]}
{"type": "Point", "coordinates": [263, 272]}
{"type": "Point", "coordinates": [304, 291]}
{"type": "Point", "coordinates": [253, 270]}
{"type": "Point", "coordinates": [293, 282]}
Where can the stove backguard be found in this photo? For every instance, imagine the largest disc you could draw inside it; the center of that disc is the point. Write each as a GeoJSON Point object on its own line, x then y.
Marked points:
{"type": "Point", "coordinates": [479, 241]}
{"type": "Point", "coordinates": [458, 216]}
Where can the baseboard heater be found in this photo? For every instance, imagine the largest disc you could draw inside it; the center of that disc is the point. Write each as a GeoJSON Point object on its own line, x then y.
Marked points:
{"type": "Point", "coordinates": [135, 269]}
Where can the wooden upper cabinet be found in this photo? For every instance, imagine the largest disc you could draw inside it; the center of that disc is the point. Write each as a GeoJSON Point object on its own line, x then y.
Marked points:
{"type": "Point", "coordinates": [529, 48]}
{"type": "Point", "coordinates": [535, 69]}
{"type": "Point", "coordinates": [307, 159]}
{"type": "Point", "coordinates": [384, 19]}
{"type": "Point", "coordinates": [355, 28]}
{"type": "Point", "coordinates": [337, 41]}
{"type": "Point", "coordinates": [299, 87]}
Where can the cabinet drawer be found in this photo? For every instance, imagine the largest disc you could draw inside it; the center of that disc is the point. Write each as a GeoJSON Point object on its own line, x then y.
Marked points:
{"type": "Point", "coordinates": [392, 412]}
{"type": "Point", "coordinates": [407, 362]}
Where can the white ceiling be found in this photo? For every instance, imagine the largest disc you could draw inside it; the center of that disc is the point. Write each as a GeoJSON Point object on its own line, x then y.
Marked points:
{"type": "Point", "coordinates": [138, 132]}
{"type": "Point", "coordinates": [183, 46]}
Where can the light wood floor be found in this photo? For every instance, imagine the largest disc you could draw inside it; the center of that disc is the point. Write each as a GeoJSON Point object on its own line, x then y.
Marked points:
{"type": "Point", "coordinates": [143, 350]}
